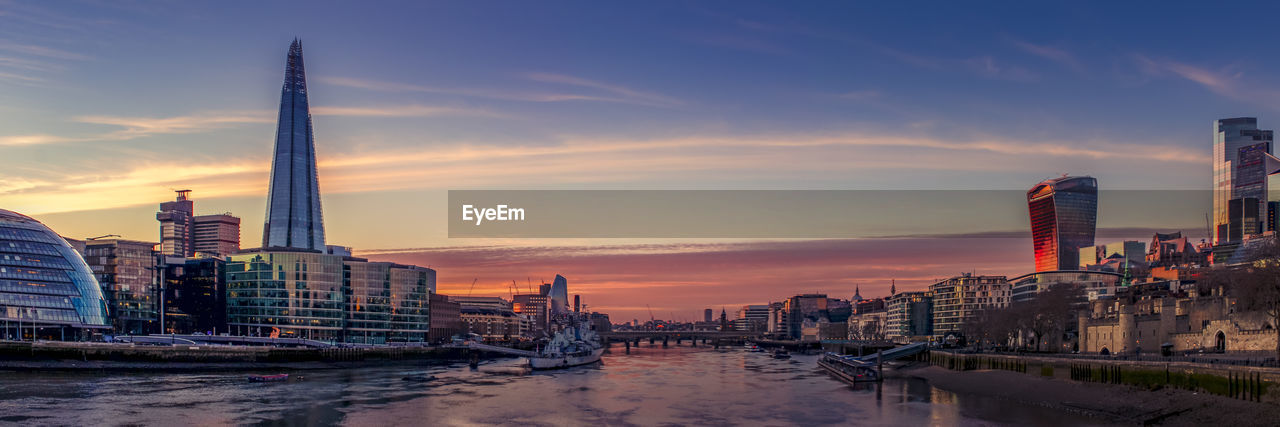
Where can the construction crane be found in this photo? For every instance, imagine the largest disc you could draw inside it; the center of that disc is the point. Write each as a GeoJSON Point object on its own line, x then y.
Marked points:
{"type": "Point", "coordinates": [651, 319]}
{"type": "Point", "coordinates": [473, 286]}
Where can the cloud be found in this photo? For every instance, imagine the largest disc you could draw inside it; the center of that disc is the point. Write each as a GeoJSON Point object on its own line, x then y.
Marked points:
{"type": "Point", "coordinates": [625, 93]}
{"type": "Point", "coordinates": [1224, 81]}
{"type": "Point", "coordinates": [500, 94]}
{"type": "Point", "coordinates": [44, 51]}
{"type": "Point", "coordinates": [140, 126]}
{"type": "Point", "coordinates": [986, 66]}
{"type": "Point", "coordinates": [402, 111]}
{"type": "Point", "coordinates": [580, 160]}
{"type": "Point", "coordinates": [137, 127]}
{"type": "Point", "coordinates": [1051, 53]}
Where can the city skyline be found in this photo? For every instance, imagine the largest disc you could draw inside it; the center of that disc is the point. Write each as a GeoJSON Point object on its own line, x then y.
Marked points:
{"type": "Point", "coordinates": [844, 110]}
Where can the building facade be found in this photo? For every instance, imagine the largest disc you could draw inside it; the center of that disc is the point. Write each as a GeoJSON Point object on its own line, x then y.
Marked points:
{"type": "Point", "coordinates": [126, 270]}
{"type": "Point", "coordinates": [294, 219]}
{"type": "Point", "coordinates": [216, 235]}
{"type": "Point", "coordinates": [386, 302]}
{"type": "Point", "coordinates": [1241, 153]}
{"type": "Point", "coordinates": [959, 299]}
{"type": "Point", "coordinates": [46, 288]}
{"type": "Point", "coordinates": [195, 295]}
{"type": "Point", "coordinates": [177, 226]}
{"type": "Point", "coordinates": [1093, 284]}
{"type": "Point", "coordinates": [909, 316]}
{"type": "Point", "coordinates": [1064, 214]}
{"type": "Point", "coordinates": [446, 319]}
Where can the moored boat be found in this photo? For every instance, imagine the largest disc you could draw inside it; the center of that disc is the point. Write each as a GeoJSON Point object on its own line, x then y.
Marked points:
{"type": "Point", "coordinates": [268, 378]}
{"type": "Point", "coordinates": [572, 346]}
{"type": "Point", "coordinates": [849, 369]}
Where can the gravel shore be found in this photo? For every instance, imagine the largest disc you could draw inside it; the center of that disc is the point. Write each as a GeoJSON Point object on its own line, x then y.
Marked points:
{"type": "Point", "coordinates": [1121, 404]}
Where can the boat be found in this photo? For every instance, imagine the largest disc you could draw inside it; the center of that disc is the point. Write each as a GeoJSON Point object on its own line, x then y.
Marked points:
{"type": "Point", "coordinates": [781, 353]}
{"type": "Point", "coordinates": [849, 369]}
{"type": "Point", "coordinates": [575, 345]}
{"type": "Point", "coordinates": [754, 348]}
{"type": "Point", "coordinates": [268, 378]}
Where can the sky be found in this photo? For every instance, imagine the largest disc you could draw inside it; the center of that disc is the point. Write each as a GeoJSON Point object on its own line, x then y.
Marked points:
{"type": "Point", "coordinates": [106, 107]}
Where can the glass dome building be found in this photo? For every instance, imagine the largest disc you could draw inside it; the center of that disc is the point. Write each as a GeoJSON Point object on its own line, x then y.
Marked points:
{"type": "Point", "coordinates": [46, 288]}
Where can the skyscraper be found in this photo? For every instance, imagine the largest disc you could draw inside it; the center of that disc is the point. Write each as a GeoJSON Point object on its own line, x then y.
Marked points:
{"type": "Point", "coordinates": [1242, 161]}
{"type": "Point", "coordinates": [293, 202]}
{"type": "Point", "coordinates": [1064, 213]}
{"type": "Point", "coordinates": [176, 226]}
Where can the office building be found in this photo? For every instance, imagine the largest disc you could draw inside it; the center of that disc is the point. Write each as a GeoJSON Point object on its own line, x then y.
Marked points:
{"type": "Point", "coordinates": [1129, 250]}
{"type": "Point", "coordinates": [1092, 284]}
{"type": "Point", "coordinates": [1064, 214]}
{"type": "Point", "coordinates": [216, 235]}
{"type": "Point", "coordinates": [446, 319]}
{"type": "Point", "coordinates": [958, 299]}
{"type": "Point", "coordinates": [177, 226]}
{"type": "Point", "coordinates": [706, 315]}
{"type": "Point", "coordinates": [386, 302]}
{"type": "Point", "coordinates": [908, 315]}
{"type": "Point", "coordinates": [195, 295]}
{"type": "Point", "coordinates": [1242, 161]}
{"type": "Point", "coordinates": [47, 290]}
{"type": "Point", "coordinates": [126, 270]}
{"type": "Point", "coordinates": [294, 219]}
{"type": "Point", "coordinates": [534, 306]}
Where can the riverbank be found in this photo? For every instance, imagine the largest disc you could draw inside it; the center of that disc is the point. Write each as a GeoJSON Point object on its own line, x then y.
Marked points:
{"type": "Point", "coordinates": [1115, 403]}
{"type": "Point", "coordinates": [65, 356]}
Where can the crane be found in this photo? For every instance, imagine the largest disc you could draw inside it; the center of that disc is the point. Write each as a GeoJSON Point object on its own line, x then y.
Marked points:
{"type": "Point", "coordinates": [473, 286]}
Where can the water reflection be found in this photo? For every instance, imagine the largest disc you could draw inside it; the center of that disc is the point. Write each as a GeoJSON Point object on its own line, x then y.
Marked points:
{"type": "Point", "coordinates": [651, 385]}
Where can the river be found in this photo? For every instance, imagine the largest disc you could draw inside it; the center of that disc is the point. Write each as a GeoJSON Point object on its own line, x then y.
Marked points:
{"type": "Point", "coordinates": [649, 386]}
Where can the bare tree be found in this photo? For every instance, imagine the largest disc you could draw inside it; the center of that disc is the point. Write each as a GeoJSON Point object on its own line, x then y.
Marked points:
{"type": "Point", "coordinates": [1255, 284]}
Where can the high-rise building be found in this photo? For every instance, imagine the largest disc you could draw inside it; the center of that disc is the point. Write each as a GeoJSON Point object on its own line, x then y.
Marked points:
{"type": "Point", "coordinates": [1064, 213]}
{"type": "Point", "coordinates": [217, 235]}
{"type": "Point", "coordinates": [706, 315]}
{"type": "Point", "coordinates": [126, 269]}
{"type": "Point", "coordinates": [295, 285]}
{"type": "Point", "coordinates": [46, 288]}
{"type": "Point", "coordinates": [558, 296]}
{"type": "Point", "coordinates": [1130, 250]}
{"type": "Point", "coordinates": [1242, 162]}
{"type": "Point", "coordinates": [294, 219]}
{"type": "Point", "coordinates": [534, 306]}
{"type": "Point", "coordinates": [176, 226]}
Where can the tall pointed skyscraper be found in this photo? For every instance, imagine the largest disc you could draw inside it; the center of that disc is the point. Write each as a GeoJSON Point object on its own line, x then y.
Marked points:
{"type": "Point", "coordinates": [293, 202]}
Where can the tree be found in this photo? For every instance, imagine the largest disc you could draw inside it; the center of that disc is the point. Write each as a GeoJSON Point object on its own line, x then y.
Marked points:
{"type": "Point", "coordinates": [1255, 284]}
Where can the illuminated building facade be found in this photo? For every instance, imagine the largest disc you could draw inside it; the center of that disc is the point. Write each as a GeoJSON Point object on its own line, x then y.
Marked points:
{"type": "Point", "coordinates": [46, 288]}
{"type": "Point", "coordinates": [1064, 214]}
{"type": "Point", "coordinates": [294, 219]}
{"type": "Point", "coordinates": [1242, 161]}
{"type": "Point", "coordinates": [126, 270]}
{"type": "Point", "coordinates": [960, 298]}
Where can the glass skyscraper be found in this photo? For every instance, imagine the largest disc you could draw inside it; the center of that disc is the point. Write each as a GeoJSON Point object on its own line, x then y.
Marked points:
{"type": "Point", "coordinates": [46, 288]}
{"type": "Point", "coordinates": [1240, 157]}
{"type": "Point", "coordinates": [1064, 214]}
{"type": "Point", "coordinates": [293, 201]}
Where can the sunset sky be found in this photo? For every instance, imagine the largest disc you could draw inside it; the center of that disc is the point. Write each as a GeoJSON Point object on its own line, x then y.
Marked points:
{"type": "Point", "coordinates": [106, 107]}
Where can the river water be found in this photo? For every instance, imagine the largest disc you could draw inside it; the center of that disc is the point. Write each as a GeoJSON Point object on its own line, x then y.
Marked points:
{"type": "Point", "coordinates": [649, 386]}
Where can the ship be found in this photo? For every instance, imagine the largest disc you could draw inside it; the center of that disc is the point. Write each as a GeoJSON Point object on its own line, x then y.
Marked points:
{"type": "Point", "coordinates": [574, 345]}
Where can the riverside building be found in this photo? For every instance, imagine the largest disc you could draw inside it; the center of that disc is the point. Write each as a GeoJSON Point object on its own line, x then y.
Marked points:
{"type": "Point", "coordinates": [47, 290]}
{"type": "Point", "coordinates": [960, 298]}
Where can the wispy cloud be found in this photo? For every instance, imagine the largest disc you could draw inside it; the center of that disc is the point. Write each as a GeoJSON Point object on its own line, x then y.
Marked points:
{"type": "Point", "coordinates": [499, 94]}
{"type": "Point", "coordinates": [44, 51]}
{"type": "Point", "coordinates": [403, 111]}
{"type": "Point", "coordinates": [987, 66]}
{"type": "Point", "coordinates": [623, 92]}
{"type": "Point", "coordinates": [1227, 81]}
{"type": "Point", "coordinates": [578, 160]}
{"type": "Point", "coordinates": [135, 127]}
{"type": "Point", "coordinates": [1051, 53]}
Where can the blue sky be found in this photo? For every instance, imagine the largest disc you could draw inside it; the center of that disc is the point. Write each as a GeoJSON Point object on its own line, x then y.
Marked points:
{"type": "Point", "coordinates": [105, 107]}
